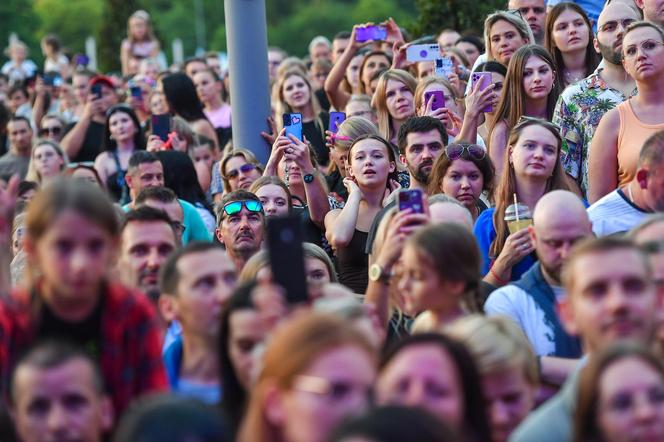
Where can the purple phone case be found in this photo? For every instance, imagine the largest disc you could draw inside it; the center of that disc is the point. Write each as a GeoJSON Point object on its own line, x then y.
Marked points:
{"type": "Point", "coordinates": [336, 118]}
{"type": "Point", "coordinates": [411, 199]}
{"type": "Point", "coordinates": [485, 80]}
{"type": "Point", "coordinates": [438, 99]}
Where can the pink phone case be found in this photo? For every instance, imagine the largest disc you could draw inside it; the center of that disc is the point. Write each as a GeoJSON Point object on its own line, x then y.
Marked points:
{"type": "Point", "coordinates": [485, 80]}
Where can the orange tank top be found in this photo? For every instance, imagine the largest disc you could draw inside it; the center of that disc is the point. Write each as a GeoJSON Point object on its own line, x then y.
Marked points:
{"type": "Point", "coordinates": [631, 136]}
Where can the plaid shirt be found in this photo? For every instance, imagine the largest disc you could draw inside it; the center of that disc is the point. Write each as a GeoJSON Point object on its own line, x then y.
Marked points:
{"type": "Point", "coordinates": [130, 347]}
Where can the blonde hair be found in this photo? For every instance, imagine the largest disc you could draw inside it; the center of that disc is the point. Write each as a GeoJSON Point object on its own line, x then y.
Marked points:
{"type": "Point", "coordinates": [497, 344]}
{"type": "Point", "coordinates": [282, 107]}
{"type": "Point", "coordinates": [515, 20]}
{"type": "Point", "coordinates": [32, 174]}
{"type": "Point", "coordinates": [303, 340]}
{"type": "Point", "coordinates": [380, 98]}
{"type": "Point", "coordinates": [141, 15]}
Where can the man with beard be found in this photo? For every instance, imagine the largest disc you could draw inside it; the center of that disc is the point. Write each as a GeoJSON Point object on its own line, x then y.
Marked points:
{"type": "Point", "coordinates": [611, 298]}
{"type": "Point", "coordinates": [582, 105]}
{"type": "Point", "coordinates": [559, 220]}
{"type": "Point", "coordinates": [626, 207]}
{"type": "Point", "coordinates": [421, 141]}
{"type": "Point", "coordinates": [240, 225]}
{"type": "Point", "coordinates": [147, 238]}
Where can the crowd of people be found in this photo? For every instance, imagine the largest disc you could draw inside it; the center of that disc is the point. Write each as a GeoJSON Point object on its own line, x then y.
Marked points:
{"type": "Point", "coordinates": [473, 253]}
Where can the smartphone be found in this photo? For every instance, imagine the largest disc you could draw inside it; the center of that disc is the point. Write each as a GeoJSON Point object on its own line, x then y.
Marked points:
{"type": "Point", "coordinates": [48, 79]}
{"type": "Point", "coordinates": [484, 78]}
{"type": "Point", "coordinates": [411, 199]}
{"type": "Point", "coordinates": [336, 118]}
{"type": "Point", "coordinates": [284, 244]}
{"type": "Point", "coordinates": [96, 90]}
{"type": "Point", "coordinates": [371, 33]}
{"type": "Point", "coordinates": [425, 52]}
{"type": "Point", "coordinates": [438, 99]}
{"type": "Point", "coordinates": [161, 126]}
{"type": "Point", "coordinates": [136, 92]}
{"type": "Point", "coordinates": [293, 125]}
{"type": "Point", "coordinates": [81, 60]}
{"type": "Point", "coordinates": [444, 67]}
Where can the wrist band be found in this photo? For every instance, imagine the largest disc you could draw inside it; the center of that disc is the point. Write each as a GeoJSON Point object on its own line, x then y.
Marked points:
{"type": "Point", "coordinates": [498, 278]}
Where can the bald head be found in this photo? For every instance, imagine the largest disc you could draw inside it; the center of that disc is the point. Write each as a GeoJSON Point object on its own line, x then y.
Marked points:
{"type": "Point", "coordinates": [454, 212]}
{"type": "Point", "coordinates": [559, 207]}
{"type": "Point", "coordinates": [559, 220]}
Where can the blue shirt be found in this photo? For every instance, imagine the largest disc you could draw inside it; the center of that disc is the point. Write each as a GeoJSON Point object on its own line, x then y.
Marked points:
{"type": "Point", "coordinates": [485, 233]}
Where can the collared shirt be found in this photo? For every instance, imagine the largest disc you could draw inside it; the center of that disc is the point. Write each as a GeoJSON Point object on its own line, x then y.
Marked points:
{"type": "Point", "coordinates": [130, 341]}
{"type": "Point", "coordinates": [578, 112]}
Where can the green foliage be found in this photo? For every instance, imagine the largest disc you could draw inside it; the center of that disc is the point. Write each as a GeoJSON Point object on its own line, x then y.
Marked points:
{"type": "Point", "coordinates": [73, 24]}
{"type": "Point", "coordinates": [436, 15]}
{"type": "Point", "coordinates": [18, 16]}
{"type": "Point", "coordinates": [112, 32]}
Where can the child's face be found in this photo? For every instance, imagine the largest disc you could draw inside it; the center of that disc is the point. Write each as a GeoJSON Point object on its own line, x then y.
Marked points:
{"type": "Point", "coordinates": [74, 255]}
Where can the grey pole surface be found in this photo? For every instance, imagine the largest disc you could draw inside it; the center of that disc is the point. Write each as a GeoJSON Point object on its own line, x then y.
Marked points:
{"type": "Point", "coordinates": [246, 39]}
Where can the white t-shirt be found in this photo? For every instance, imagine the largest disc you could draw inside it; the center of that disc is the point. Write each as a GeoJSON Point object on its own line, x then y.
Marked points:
{"type": "Point", "coordinates": [615, 213]}
{"type": "Point", "coordinates": [516, 304]}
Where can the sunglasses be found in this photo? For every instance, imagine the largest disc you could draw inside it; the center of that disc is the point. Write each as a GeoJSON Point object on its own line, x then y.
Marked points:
{"type": "Point", "coordinates": [236, 207]}
{"type": "Point", "coordinates": [50, 130]}
{"type": "Point", "coordinates": [88, 164]}
{"type": "Point", "coordinates": [455, 151]}
{"type": "Point", "coordinates": [245, 168]}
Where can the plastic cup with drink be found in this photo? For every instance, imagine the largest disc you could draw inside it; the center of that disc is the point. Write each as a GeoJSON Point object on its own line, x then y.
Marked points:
{"type": "Point", "coordinates": [517, 216]}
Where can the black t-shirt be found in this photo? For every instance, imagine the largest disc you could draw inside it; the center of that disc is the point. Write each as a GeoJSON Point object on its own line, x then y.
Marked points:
{"type": "Point", "coordinates": [85, 333]}
{"type": "Point", "coordinates": [313, 134]}
{"type": "Point", "coordinates": [92, 143]}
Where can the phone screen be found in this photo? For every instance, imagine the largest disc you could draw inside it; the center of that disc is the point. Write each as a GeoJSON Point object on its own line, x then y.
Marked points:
{"type": "Point", "coordinates": [284, 241]}
{"type": "Point", "coordinates": [161, 126]}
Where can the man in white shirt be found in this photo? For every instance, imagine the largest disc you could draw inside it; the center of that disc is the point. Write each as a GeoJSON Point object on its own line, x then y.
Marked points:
{"type": "Point", "coordinates": [626, 207]}
{"type": "Point", "coordinates": [559, 220]}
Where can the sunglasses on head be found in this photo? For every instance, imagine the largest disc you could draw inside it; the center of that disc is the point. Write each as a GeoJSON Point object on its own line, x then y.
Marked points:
{"type": "Point", "coordinates": [455, 151]}
{"type": "Point", "coordinates": [245, 168]}
{"type": "Point", "coordinates": [236, 207]}
{"type": "Point", "coordinates": [50, 130]}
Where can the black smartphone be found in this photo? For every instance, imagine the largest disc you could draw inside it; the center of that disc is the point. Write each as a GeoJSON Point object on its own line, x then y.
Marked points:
{"type": "Point", "coordinates": [284, 243]}
{"type": "Point", "coordinates": [136, 92]}
{"type": "Point", "coordinates": [161, 126]}
{"type": "Point", "coordinates": [411, 199]}
{"type": "Point", "coordinates": [96, 90]}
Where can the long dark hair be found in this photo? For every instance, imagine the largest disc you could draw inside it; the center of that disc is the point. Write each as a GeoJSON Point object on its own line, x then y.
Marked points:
{"type": "Point", "coordinates": [592, 58]}
{"type": "Point", "coordinates": [235, 397]}
{"type": "Point", "coordinates": [181, 97]}
{"type": "Point", "coordinates": [180, 176]}
{"type": "Point", "coordinates": [475, 419]}
{"type": "Point", "coordinates": [139, 138]}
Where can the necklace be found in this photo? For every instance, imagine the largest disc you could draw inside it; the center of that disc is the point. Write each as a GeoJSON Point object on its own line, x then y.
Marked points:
{"type": "Point", "coordinates": [572, 78]}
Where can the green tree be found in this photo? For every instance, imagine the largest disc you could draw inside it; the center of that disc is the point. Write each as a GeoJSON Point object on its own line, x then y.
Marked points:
{"type": "Point", "coordinates": [112, 31]}
{"type": "Point", "coordinates": [435, 15]}
{"type": "Point", "coordinates": [18, 16]}
{"type": "Point", "coordinates": [73, 23]}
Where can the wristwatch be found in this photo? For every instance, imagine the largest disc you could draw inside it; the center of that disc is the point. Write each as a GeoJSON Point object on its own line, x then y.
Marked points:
{"type": "Point", "coordinates": [308, 178]}
{"type": "Point", "coordinates": [378, 274]}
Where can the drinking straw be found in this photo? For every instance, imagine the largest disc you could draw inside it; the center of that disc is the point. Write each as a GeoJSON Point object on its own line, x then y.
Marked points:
{"type": "Point", "coordinates": [516, 208]}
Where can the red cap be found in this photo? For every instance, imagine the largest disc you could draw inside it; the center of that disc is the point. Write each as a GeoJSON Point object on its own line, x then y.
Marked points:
{"type": "Point", "coordinates": [102, 79]}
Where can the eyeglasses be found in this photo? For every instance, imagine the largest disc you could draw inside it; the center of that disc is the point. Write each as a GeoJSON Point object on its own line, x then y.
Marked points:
{"type": "Point", "coordinates": [455, 151]}
{"type": "Point", "coordinates": [611, 26]}
{"type": "Point", "coordinates": [245, 168]}
{"type": "Point", "coordinates": [55, 130]}
{"type": "Point", "coordinates": [236, 207]}
{"type": "Point", "coordinates": [647, 47]}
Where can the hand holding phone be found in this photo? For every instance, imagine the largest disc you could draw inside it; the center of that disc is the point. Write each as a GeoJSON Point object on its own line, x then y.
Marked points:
{"type": "Point", "coordinates": [437, 97]}
{"type": "Point", "coordinates": [484, 79]}
{"type": "Point", "coordinates": [411, 199]}
{"type": "Point", "coordinates": [336, 118]}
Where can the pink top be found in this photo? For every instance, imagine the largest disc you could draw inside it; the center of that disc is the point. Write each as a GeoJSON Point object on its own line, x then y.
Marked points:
{"type": "Point", "coordinates": [220, 117]}
{"type": "Point", "coordinates": [631, 136]}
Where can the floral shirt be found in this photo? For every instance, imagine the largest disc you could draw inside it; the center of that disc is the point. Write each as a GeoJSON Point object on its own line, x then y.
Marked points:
{"type": "Point", "coordinates": [579, 109]}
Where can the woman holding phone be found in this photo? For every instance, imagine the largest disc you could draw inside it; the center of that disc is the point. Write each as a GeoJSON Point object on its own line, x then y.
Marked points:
{"type": "Point", "coordinates": [295, 95]}
{"type": "Point", "coordinates": [371, 162]}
